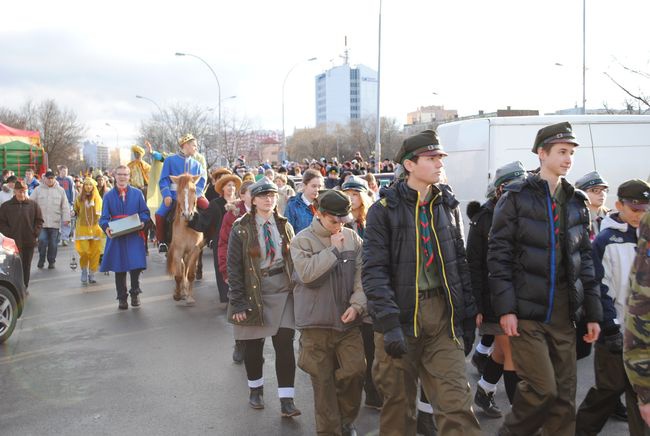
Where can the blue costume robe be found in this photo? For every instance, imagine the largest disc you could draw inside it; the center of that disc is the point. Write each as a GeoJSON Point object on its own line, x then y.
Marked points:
{"type": "Point", "coordinates": [177, 165]}
{"type": "Point", "coordinates": [124, 253]}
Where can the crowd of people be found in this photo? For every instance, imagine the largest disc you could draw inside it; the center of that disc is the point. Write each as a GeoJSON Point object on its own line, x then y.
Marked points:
{"type": "Point", "coordinates": [384, 290]}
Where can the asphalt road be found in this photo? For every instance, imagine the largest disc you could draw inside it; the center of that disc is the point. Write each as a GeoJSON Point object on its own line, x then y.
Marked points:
{"type": "Point", "coordinates": [78, 366]}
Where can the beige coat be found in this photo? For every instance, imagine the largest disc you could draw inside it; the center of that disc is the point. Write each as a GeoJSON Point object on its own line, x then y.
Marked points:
{"type": "Point", "coordinates": [328, 281]}
{"type": "Point", "coordinates": [53, 203]}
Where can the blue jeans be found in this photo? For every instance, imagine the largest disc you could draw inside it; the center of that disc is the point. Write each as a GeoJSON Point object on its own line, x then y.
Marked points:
{"type": "Point", "coordinates": [47, 241]}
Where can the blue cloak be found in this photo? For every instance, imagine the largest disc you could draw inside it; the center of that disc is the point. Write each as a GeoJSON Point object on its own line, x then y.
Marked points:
{"type": "Point", "coordinates": [124, 253]}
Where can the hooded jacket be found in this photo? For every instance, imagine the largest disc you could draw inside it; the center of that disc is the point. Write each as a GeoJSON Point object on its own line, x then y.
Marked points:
{"type": "Point", "coordinates": [521, 254]}
{"type": "Point", "coordinates": [613, 251]}
{"type": "Point", "coordinates": [391, 252]}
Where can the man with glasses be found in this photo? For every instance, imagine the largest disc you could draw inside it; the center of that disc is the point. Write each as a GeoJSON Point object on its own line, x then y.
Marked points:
{"type": "Point", "coordinates": [124, 253]}
{"type": "Point", "coordinates": [596, 188]}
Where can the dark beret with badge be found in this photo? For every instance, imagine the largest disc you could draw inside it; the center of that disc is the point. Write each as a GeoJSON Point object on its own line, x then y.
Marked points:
{"type": "Point", "coordinates": [335, 203]}
{"type": "Point", "coordinates": [262, 187]}
{"type": "Point", "coordinates": [560, 132]}
{"type": "Point", "coordinates": [425, 143]}
{"type": "Point", "coordinates": [509, 172]}
{"type": "Point", "coordinates": [590, 180]}
{"type": "Point", "coordinates": [635, 193]}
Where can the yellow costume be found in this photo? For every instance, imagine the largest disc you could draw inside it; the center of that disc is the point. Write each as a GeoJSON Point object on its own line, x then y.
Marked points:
{"type": "Point", "coordinates": [139, 169]}
{"type": "Point", "coordinates": [89, 236]}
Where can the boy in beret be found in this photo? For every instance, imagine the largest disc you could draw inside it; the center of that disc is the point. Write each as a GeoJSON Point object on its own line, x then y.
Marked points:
{"type": "Point", "coordinates": [613, 252]}
{"type": "Point", "coordinates": [541, 279]}
{"type": "Point", "coordinates": [329, 305]}
{"type": "Point", "coordinates": [596, 188]}
{"type": "Point", "coordinates": [419, 291]}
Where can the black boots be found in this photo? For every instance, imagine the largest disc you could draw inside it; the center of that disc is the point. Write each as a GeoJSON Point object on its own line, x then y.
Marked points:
{"type": "Point", "coordinates": [256, 398]}
{"type": "Point", "coordinates": [238, 352]}
{"type": "Point", "coordinates": [425, 424]}
{"type": "Point", "coordinates": [135, 299]}
{"type": "Point", "coordinates": [485, 400]}
{"type": "Point", "coordinates": [123, 305]}
{"type": "Point", "coordinates": [288, 408]}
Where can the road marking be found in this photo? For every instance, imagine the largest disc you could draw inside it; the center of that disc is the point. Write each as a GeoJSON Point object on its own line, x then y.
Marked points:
{"type": "Point", "coordinates": [18, 357]}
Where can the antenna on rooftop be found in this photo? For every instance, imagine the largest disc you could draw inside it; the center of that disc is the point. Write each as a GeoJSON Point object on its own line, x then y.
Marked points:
{"type": "Point", "coordinates": [346, 52]}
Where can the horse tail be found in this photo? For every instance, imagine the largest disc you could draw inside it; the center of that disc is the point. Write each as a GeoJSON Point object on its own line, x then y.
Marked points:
{"type": "Point", "coordinates": [170, 260]}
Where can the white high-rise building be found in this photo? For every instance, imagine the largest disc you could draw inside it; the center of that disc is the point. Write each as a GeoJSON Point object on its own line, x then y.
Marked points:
{"type": "Point", "coordinates": [345, 93]}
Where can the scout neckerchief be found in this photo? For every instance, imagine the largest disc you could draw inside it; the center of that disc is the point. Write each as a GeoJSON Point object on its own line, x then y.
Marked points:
{"type": "Point", "coordinates": [268, 242]}
{"type": "Point", "coordinates": [425, 233]}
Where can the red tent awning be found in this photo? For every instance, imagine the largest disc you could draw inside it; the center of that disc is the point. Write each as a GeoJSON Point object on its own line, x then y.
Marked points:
{"type": "Point", "coordinates": [10, 131]}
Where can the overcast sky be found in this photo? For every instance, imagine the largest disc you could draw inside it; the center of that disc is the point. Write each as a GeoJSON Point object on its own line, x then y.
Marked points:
{"type": "Point", "coordinates": [95, 57]}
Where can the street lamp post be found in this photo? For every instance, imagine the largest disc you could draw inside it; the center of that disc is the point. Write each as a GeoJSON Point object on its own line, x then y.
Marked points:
{"type": "Point", "coordinates": [284, 136]}
{"type": "Point", "coordinates": [378, 132]}
{"type": "Point", "coordinates": [218, 86]}
{"type": "Point", "coordinates": [162, 115]}
{"type": "Point", "coordinates": [117, 135]}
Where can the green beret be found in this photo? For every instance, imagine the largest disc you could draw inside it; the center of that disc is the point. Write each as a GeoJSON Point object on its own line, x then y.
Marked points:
{"type": "Point", "coordinates": [422, 144]}
{"type": "Point", "coordinates": [560, 132]}
{"type": "Point", "coordinates": [355, 183]}
{"type": "Point", "coordinates": [336, 203]}
{"type": "Point", "coordinates": [262, 187]}
{"type": "Point", "coordinates": [590, 180]}
{"type": "Point", "coordinates": [508, 172]}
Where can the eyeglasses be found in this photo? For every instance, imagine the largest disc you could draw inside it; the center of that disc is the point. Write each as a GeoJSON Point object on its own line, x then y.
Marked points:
{"type": "Point", "coordinates": [122, 174]}
{"type": "Point", "coordinates": [598, 190]}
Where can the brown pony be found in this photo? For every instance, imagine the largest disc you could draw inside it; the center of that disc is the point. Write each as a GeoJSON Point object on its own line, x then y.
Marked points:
{"type": "Point", "coordinates": [187, 243]}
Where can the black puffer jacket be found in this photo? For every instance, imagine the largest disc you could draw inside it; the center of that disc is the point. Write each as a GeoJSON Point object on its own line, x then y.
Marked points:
{"type": "Point", "coordinates": [520, 253]}
{"type": "Point", "coordinates": [477, 249]}
{"type": "Point", "coordinates": [390, 258]}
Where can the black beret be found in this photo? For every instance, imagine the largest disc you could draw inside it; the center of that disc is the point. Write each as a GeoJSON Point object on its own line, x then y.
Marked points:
{"type": "Point", "coordinates": [560, 132]}
{"type": "Point", "coordinates": [424, 143]}
{"type": "Point", "coordinates": [335, 203]}
{"type": "Point", "coordinates": [635, 192]}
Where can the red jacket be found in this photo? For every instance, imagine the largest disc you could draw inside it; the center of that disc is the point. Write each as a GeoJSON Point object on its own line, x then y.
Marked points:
{"type": "Point", "coordinates": [233, 212]}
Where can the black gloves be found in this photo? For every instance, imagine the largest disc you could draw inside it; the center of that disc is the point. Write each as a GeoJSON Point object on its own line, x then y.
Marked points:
{"type": "Point", "coordinates": [613, 340]}
{"type": "Point", "coordinates": [395, 343]}
{"type": "Point", "coordinates": [469, 334]}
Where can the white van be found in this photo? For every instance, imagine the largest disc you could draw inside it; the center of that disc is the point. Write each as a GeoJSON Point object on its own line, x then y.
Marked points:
{"type": "Point", "coordinates": [617, 146]}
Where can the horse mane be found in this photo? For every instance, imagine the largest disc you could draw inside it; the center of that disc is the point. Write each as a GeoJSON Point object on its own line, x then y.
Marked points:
{"type": "Point", "coordinates": [184, 181]}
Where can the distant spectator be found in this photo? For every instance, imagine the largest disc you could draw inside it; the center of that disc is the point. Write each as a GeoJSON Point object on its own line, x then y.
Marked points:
{"type": "Point", "coordinates": [285, 192]}
{"type": "Point", "coordinates": [30, 181]}
{"type": "Point", "coordinates": [7, 190]}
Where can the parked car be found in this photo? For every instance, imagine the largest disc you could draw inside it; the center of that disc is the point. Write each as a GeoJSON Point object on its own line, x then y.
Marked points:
{"type": "Point", "coordinates": [12, 289]}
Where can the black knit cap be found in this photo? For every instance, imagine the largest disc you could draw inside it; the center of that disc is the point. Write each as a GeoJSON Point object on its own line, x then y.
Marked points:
{"type": "Point", "coordinates": [424, 143]}
{"type": "Point", "coordinates": [560, 132]}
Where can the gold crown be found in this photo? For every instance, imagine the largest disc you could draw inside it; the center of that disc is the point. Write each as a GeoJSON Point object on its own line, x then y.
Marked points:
{"type": "Point", "coordinates": [186, 138]}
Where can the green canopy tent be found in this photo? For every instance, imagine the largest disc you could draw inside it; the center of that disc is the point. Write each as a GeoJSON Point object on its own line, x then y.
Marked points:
{"type": "Point", "coordinates": [19, 156]}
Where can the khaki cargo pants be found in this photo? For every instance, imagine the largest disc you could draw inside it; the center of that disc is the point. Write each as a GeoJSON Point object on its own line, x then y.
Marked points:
{"type": "Point", "coordinates": [439, 362]}
{"type": "Point", "coordinates": [337, 366]}
{"type": "Point", "coordinates": [545, 360]}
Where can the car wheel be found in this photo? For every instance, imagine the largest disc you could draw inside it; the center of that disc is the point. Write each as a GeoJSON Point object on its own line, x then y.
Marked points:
{"type": "Point", "coordinates": [8, 313]}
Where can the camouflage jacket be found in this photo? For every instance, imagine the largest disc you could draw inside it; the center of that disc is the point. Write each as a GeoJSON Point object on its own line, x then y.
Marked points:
{"type": "Point", "coordinates": [636, 352]}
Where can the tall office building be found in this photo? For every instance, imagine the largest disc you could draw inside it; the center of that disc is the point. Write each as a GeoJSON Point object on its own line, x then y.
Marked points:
{"type": "Point", "coordinates": [345, 93]}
